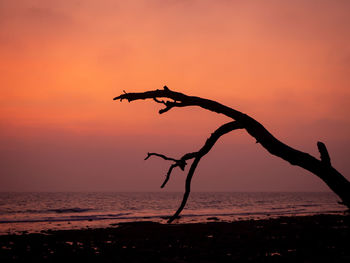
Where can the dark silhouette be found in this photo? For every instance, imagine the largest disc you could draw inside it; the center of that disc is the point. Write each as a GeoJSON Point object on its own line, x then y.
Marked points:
{"type": "Point", "coordinates": [322, 168]}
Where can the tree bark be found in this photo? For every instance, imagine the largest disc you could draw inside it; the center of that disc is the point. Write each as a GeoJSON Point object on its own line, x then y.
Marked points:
{"type": "Point", "coordinates": [321, 167]}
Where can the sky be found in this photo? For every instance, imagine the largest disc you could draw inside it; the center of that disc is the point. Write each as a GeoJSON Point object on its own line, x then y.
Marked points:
{"type": "Point", "coordinates": [285, 63]}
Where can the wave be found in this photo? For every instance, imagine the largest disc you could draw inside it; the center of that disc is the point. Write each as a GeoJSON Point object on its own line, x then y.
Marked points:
{"type": "Point", "coordinates": [66, 218]}
{"type": "Point", "coordinates": [131, 217]}
{"type": "Point", "coordinates": [45, 211]}
{"type": "Point", "coordinates": [70, 210]}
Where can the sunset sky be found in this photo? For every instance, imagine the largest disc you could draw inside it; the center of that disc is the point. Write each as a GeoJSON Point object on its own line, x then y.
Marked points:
{"type": "Point", "coordinates": [285, 63]}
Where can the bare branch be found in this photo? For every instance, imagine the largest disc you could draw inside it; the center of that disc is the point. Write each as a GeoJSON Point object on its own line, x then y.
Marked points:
{"type": "Point", "coordinates": [168, 106]}
{"type": "Point", "coordinates": [177, 163]}
{"type": "Point", "coordinates": [324, 153]}
{"type": "Point", "coordinates": [167, 177]}
{"type": "Point", "coordinates": [226, 128]}
{"type": "Point", "coordinates": [181, 100]}
{"type": "Point", "coordinates": [161, 156]}
{"type": "Point", "coordinates": [335, 180]}
{"type": "Point", "coordinates": [254, 128]}
{"type": "Point", "coordinates": [159, 101]}
{"type": "Point", "coordinates": [197, 155]}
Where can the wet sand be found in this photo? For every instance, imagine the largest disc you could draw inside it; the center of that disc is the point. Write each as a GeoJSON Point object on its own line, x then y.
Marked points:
{"type": "Point", "coordinates": [321, 238]}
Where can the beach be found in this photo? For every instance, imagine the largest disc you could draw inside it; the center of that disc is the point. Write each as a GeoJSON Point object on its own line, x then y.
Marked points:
{"type": "Point", "coordinates": [318, 238]}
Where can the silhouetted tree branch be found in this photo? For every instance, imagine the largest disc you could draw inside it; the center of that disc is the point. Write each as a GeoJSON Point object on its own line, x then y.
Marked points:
{"type": "Point", "coordinates": [322, 168]}
{"type": "Point", "coordinates": [181, 163]}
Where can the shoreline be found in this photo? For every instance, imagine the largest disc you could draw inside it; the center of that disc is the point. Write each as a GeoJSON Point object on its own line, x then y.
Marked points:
{"type": "Point", "coordinates": [83, 222]}
{"type": "Point", "coordinates": [317, 238]}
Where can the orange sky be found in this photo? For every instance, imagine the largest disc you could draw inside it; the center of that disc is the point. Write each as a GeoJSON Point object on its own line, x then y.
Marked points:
{"type": "Point", "coordinates": [286, 63]}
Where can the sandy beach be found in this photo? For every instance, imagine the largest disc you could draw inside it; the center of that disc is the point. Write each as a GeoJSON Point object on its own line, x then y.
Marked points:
{"type": "Point", "coordinates": [319, 238]}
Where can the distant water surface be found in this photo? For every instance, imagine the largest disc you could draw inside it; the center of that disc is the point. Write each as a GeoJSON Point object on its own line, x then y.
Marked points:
{"type": "Point", "coordinates": [34, 212]}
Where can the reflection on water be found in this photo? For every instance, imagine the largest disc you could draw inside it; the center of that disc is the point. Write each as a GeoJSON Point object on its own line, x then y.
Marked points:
{"type": "Point", "coordinates": [39, 211]}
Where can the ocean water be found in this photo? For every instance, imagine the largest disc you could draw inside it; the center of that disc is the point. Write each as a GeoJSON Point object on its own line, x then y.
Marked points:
{"type": "Point", "coordinates": [34, 212]}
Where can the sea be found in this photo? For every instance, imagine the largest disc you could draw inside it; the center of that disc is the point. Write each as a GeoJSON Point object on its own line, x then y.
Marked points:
{"type": "Point", "coordinates": [41, 212]}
